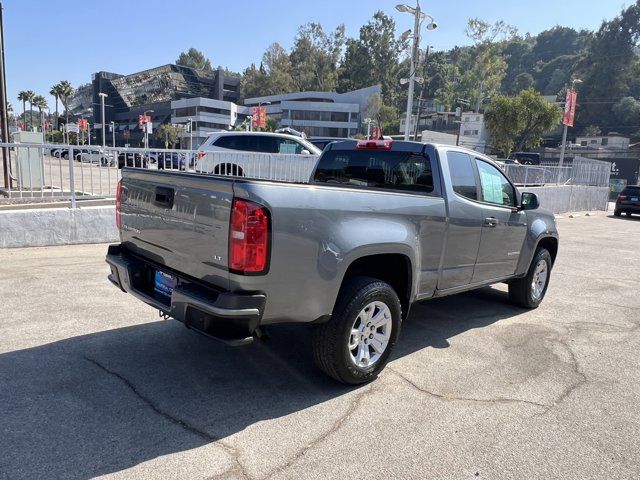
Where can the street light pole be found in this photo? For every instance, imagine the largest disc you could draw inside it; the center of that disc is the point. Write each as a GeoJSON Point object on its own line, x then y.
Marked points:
{"type": "Point", "coordinates": [104, 127]}
{"type": "Point", "coordinates": [113, 133]}
{"type": "Point", "coordinates": [412, 71]}
{"type": "Point", "coordinates": [146, 128]}
{"type": "Point", "coordinates": [418, 16]}
{"type": "Point", "coordinates": [190, 133]}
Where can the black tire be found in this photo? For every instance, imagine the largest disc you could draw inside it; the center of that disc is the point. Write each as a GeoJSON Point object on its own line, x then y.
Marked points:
{"type": "Point", "coordinates": [628, 214]}
{"type": "Point", "coordinates": [331, 340]}
{"type": "Point", "coordinates": [521, 292]}
{"type": "Point", "coordinates": [617, 213]}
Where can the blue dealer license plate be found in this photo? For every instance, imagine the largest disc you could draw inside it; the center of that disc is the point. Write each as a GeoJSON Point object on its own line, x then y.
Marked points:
{"type": "Point", "coordinates": [164, 284]}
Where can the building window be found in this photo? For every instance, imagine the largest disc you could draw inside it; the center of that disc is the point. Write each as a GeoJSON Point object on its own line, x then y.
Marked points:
{"type": "Point", "coordinates": [185, 112]}
{"type": "Point", "coordinates": [605, 142]}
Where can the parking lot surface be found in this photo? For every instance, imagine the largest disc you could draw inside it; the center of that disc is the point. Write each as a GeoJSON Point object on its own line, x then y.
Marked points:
{"type": "Point", "coordinates": [93, 383]}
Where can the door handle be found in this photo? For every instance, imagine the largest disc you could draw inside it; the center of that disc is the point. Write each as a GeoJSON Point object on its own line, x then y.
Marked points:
{"type": "Point", "coordinates": [490, 222]}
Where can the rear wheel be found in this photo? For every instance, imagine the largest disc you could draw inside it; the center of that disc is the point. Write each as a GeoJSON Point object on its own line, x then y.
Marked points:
{"type": "Point", "coordinates": [529, 291]}
{"type": "Point", "coordinates": [355, 344]}
{"type": "Point", "coordinates": [628, 214]}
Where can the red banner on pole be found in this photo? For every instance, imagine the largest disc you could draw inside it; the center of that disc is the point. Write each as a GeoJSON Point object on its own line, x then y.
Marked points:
{"type": "Point", "coordinates": [263, 117]}
{"type": "Point", "coordinates": [569, 108]}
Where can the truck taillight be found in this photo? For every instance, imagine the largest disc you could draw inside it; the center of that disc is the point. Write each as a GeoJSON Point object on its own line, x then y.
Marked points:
{"type": "Point", "coordinates": [384, 144]}
{"type": "Point", "coordinates": [119, 204]}
{"type": "Point", "coordinates": [248, 238]}
{"type": "Point", "coordinates": [622, 197]}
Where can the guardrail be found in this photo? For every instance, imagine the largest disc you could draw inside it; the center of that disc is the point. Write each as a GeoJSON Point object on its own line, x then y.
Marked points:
{"type": "Point", "coordinates": [45, 172]}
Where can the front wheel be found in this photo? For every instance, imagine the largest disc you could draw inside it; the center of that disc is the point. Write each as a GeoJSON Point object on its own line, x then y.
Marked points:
{"type": "Point", "coordinates": [355, 344]}
{"type": "Point", "coordinates": [529, 291]}
{"type": "Point", "coordinates": [617, 213]}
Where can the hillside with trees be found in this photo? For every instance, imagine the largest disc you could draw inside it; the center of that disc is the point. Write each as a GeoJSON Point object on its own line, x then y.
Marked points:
{"type": "Point", "coordinates": [498, 61]}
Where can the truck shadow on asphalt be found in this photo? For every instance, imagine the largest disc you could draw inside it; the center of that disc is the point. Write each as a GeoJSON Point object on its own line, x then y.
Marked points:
{"type": "Point", "coordinates": [104, 402]}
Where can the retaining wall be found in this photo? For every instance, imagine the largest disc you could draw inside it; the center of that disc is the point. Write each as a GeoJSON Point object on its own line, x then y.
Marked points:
{"type": "Point", "coordinates": [37, 227]}
{"type": "Point", "coordinates": [570, 198]}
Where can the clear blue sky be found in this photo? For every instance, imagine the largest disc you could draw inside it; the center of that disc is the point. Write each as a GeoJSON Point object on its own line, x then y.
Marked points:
{"type": "Point", "coordinates": [52, 40]}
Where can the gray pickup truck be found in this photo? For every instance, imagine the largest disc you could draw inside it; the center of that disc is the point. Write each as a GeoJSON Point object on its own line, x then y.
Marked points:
{"type": "Point", "coordinates": [379, 225]}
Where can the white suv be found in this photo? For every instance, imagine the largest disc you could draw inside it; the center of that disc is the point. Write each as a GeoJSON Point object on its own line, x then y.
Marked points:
{"type": "Point", "coordinates": [230, 153]}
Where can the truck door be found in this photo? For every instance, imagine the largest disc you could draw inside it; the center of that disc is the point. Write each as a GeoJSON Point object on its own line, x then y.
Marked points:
{"type": "Point", "coordinates": [465, 217]}
{"type": "Point", "coordinates": [503, 228]}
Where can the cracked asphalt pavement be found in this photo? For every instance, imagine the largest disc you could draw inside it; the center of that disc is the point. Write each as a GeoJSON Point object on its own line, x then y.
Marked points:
{"type": "Point", "coordinates": [93, 383]}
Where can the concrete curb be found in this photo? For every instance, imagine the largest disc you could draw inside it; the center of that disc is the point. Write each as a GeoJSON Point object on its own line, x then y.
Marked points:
{"type": "Point", "coordinates": [38, 227]}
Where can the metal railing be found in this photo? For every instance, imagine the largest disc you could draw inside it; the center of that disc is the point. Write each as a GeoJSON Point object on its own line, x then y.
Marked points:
{"type": "Point", "coordinates": [580, 171]}
{"type": "Point", "coordinates": [51, 172]}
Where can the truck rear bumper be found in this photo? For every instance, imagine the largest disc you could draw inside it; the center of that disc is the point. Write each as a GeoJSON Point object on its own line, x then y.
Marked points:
{"type": "Point", "coordinates": [228, 317]}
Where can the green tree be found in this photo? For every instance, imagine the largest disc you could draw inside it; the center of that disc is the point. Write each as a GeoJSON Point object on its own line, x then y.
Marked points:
{"type": "Point", "coordinates": [40, 103]}
{"type": "Point", "coordinates": [30, 94]}
{"type": "Point", "coordinates": [520, 121]}
{"type": "Point", "coordinates": [277, 66]}
{"type": "Point", "coordinates": [23, 97]}
{"type": "Point", "coordinates": [374, 58]}
{"type": "Point", "coordinates": [609, 66]}
{"type": "Point", "coordinates": [252, 82]}
{"type": "Point", "coordinates": [522, 82]}
{"type": "Point", "coordinates": [627, 111]}
{"type": "Point", "coordinates": [55, 92]}
{"type": "Point", "coordinates": [168, 134]}
{"type": "Point", "coordinates": [591, 131]}
{"type": "Point", "coordinates": [195, 59]}
{"type": "Point", "coordinates": [272, 124]}
{"type": "Point", "coordinates": [65, 92]}
{"type": "Point", "coordinates": [314, 58]}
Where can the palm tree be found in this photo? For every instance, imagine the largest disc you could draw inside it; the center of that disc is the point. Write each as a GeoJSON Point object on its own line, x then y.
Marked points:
{"type": "Point", "coordinates": [23, 97]}
{"type": "Point", "coordinates": [66, 90]}
{"type": "Point", "coordinates": [40, 103]}
{"type": "Point", "coordinates": [55, 92]}
{"type": "Point", "coordinates": [30, 95]}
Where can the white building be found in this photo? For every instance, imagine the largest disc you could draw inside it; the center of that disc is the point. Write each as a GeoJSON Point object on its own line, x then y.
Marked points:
{"type": "Point", "coordinates": [319, 114]}
{"type": "Point", "coordinates": [613, 141]}
{"type": "Point", "coordinates": [206, 115]}
{"type": "Point", "coordinates": [473, 132]}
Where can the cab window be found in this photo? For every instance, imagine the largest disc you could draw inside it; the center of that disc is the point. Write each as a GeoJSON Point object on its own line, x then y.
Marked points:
{"type": "Point", "coordinates": [495, 188]}
{"type": "Point", "coordinates": [463, 178]}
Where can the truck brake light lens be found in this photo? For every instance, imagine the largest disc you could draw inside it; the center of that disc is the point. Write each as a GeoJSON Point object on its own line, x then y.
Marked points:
{"type": "Point", "coordinates": [622, 197]}
{"type": "Point", "coordinates": [119, 204]}
{"type": "Point", "coordinates": [248, 237]}
{"type": "Point", "coordinates": [374, 144]}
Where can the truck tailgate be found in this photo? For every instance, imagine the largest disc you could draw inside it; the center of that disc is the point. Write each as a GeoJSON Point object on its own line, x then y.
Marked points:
{"type": "Point", "coordinates": [178, 220]}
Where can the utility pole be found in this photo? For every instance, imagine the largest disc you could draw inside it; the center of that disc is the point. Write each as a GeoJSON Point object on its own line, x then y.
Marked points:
{"type": "Point", "coordinates": [479, 101]}
{"type": "Point", "coordinates": [564, 130]}
{"type": "Point", "coordinates": [113, 134]}
{"type": "Point", "coordinates": [4, 118]}
{"type": "Point", "coordinates": [104, 127]}
{"type": "Point", "coordinates": [190, 133]}
{"type": "Point", "coordinates": [424, 82]}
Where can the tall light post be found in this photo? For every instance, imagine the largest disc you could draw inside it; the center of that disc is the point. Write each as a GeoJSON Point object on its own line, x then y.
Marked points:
{"type": "Point", "coordinates": [190, 133]}
{"type": "Point", "coordinates": [564, 132]}
{"type": "Point", "coordinates": [146, 129]}
{"type": "Point", "coordinates": [418, 17]}
{"type": "Point", "coordinates": [103, 127]}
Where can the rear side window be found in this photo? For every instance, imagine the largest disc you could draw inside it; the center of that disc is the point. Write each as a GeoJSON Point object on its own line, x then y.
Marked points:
{"type": "Point", "coordinates": [631, 191]}
{"type": "Point", "coordinates": [380, 169]}
{"type": "Point", "coordinates": [248, 143]}
{"type": "Point", "coordinates": [463, 178]}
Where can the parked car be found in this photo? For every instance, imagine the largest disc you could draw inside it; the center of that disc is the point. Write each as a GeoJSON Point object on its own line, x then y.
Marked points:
{"type": "Point", "coordinates": [132, 159]}
{"type": "Point", "coordinates": [261, 142]}
{"type": "Point", "coordinates": [171, 160]}
{"type": "Point", "coordinates": [97, 156]}
{"type": "Point", "coordinates": [379, 226]}
{"type": "Point", "coordinates": [628, 201]}
{"type": "Point", "coordinates": [526, 158]}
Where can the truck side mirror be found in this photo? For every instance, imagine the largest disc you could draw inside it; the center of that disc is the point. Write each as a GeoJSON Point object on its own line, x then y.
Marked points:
{"type": "Point", "coordinates": [529, 201]}
{"type": "Point", "coordinates": [305, 152]}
